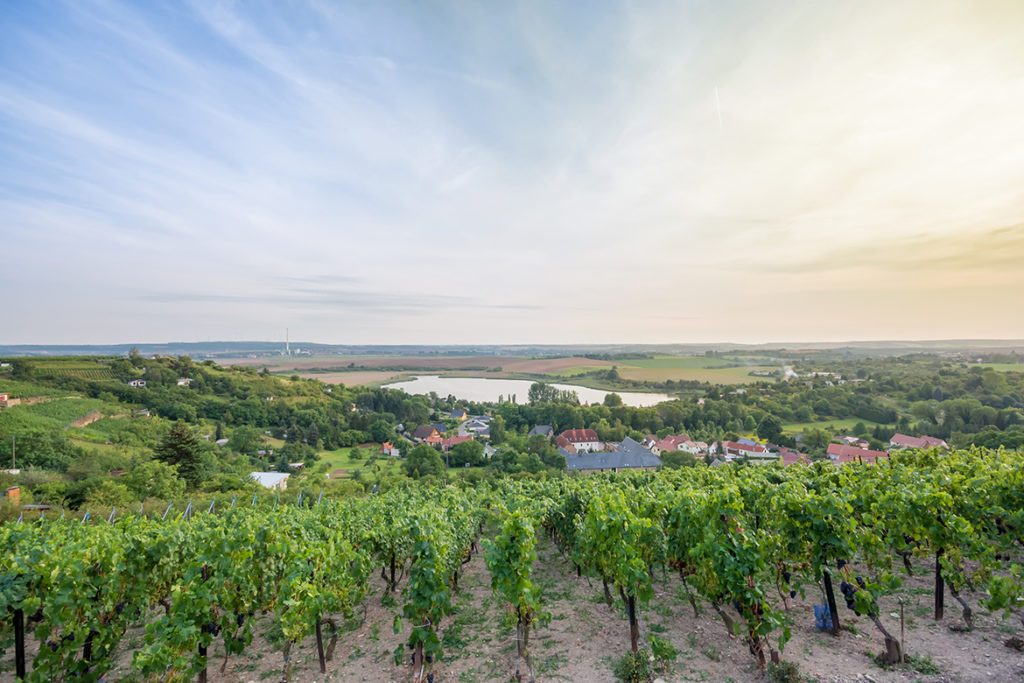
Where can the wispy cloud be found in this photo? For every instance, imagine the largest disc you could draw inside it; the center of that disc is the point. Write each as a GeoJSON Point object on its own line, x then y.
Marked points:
{"type": "Point", "coordinates": [357, 171]}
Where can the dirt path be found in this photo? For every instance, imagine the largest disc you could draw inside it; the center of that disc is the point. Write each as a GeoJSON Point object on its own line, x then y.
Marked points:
{"type": "Point", "coordinates": [87, 420]}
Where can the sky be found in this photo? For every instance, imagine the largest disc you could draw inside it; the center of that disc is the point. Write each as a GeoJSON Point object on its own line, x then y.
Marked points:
{"type": "Point", "coordinates": [511, 172]}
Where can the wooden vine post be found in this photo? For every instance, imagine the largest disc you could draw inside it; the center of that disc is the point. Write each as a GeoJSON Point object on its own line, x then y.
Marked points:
{"type": "Point", "coordinates": [19, 643]}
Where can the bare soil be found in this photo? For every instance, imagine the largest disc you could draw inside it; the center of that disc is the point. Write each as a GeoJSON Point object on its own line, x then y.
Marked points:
{"type": "Point", "coordinates": [403, 366]}
{"type": "Point", "coordinates": [584, 636]}
{"type": "Point", "coordinates": [355, 378]}
{"type": "Point", "coordinates": [510, 364]}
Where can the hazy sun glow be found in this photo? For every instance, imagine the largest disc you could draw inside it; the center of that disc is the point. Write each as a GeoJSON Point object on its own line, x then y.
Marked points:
{"type": "Point", "coordinates": [512, 172]}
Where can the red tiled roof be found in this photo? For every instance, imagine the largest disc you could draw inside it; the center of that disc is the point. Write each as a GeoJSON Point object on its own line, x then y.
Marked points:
{"type": "Point", "coordinates": [756, 448]}
{"type": "Point", "coordinates": [671, 443]}
{"type": "Point", "coordinates": [916, 441]}
{"type": "Point", "coordinates": [793, 457]}
{"type": "Point", "coordinates": [454, 440]}
{"type": "Point", "coordinates": [579, 435]}
{"type": "Point", "coordinates": [564, 443]}
{"type": "Point", "coordinates": [846, 454]}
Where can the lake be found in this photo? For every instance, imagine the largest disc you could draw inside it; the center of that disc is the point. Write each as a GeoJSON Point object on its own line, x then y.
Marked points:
{"type": "Point", "coordinates": [480, 390]}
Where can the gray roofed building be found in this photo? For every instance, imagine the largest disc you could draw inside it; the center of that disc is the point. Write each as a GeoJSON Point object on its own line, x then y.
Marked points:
{"type": "Point", "coordinates": [542, 430]}
{"type": "Point", "coordinates": [630, 455]}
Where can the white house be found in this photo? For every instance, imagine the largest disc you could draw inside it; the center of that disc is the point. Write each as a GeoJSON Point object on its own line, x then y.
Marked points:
{"type": "Point", "coordinates": [579, 441]}
{"type": "Point", "coordinates": [271, 480]}
{"type": "Point", "coordinates": [137, 383]}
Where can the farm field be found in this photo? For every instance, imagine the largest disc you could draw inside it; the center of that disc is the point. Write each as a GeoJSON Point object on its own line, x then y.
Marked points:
{"type": "Point", "coordinates": [1004, 367]}
{"type": "Point", "coordinates": [733, 375]}
{"type": "Point", "coordinates": [680, 362]}
{"type": "Point", "coordinates": [355, 378]}
{"type": "Point", "coordinates": [831, 425]}
{"type": "Point", "coordinates": [285, 363]}
{"type": "Point", "coordinates": [341, 459]}
{"type": "Point", "coordinates": [382, 369]}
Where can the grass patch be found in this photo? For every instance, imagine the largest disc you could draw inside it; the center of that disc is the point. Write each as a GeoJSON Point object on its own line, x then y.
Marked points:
{"type": "Point", "coordinates": [681, 362]}
{"type": "Point", "coordinates": [785, 672]}
{"type": "Point", "coordinates": [633, 668]}
{"type": "Point", "coordinates": [712, 653]}
{"type": "Point", "coordinates": [922, 664]}
{"type": "Point", "coordinates": [831, 425]}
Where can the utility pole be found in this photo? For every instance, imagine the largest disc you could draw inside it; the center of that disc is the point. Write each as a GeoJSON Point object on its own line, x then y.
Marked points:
{"type": "Point", "coordinates": [13, 465]}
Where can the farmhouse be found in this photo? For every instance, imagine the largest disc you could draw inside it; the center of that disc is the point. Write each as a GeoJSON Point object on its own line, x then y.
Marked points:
{"type": "Point", "coordinates": [425, 432]}
{"type": "Point", "coordinates": [842, 454]}
{"type": "Point", "coordinates": [271, 480]}
{"type": "Point", "coordinates": [789, 457]}
{"type": "Point", "coordinates": [904, 441]}
{"type": "Point", "coordinates": [750, 450]}
{"type": "Point", "coordinates": [477, 426]}
{"type": "Point", "coordinates": [674, 443]}
{"type": "Point", "coordinates": [669, 443]}
{"type": "Point", "coordinates": [629, 455]}
{"type": "Point", "coordinates": [576, 440]}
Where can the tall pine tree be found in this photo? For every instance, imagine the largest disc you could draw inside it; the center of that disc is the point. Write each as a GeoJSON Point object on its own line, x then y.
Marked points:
{"type": "Point", "coordinates": [182, 448]}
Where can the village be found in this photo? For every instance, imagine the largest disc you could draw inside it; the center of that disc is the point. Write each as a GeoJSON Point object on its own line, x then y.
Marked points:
{"type": "Point", "coordinates": [584, 452]}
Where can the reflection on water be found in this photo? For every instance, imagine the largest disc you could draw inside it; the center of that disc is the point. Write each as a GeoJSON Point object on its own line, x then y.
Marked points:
{"type": "Point", "coordinates": [480, 389]}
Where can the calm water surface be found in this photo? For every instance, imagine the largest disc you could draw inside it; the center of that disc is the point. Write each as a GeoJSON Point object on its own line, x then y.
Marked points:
{"type": "Point", "coordinates": [480, 389]}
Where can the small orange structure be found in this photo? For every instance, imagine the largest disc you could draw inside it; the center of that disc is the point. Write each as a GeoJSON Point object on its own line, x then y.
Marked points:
{"type": "Point", "coordinates": [14, 493]}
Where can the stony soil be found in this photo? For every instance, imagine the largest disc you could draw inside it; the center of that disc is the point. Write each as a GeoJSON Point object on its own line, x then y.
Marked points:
{"type": "Point", "coordinates": [585, 635]}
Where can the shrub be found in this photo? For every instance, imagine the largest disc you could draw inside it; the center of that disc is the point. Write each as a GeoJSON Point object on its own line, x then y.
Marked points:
{"type": "Point", "coordinates": [664, 652]}
{"type": "Point", "coordinates": [633, 668]}
{"type": "Point", "coordinates": [785, 672]}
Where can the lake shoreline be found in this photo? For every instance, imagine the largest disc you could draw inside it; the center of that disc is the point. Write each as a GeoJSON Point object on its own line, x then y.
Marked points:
{"type": "Point", "coordinates": [489, 390]}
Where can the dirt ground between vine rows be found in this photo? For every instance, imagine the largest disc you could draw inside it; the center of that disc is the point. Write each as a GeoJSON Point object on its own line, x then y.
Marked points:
{"type": "Point", "coordinates": [585, 635]}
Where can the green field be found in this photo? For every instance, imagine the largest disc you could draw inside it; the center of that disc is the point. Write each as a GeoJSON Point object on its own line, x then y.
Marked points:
{"type": "Point", "coordinates": [679, 362]}
{"type": "Point", "coordinates": [26, 389]}
{"type": "Point", "coordinates": [56, 413]}
{"type": "Point", "coordinates": [577, 370]}
{"type": "Point", "coordinates": [830, 425]}
{"type": "Point", "coordinates": [340, 459]}
{"type": "Point", "coordinates": [1004, 367]}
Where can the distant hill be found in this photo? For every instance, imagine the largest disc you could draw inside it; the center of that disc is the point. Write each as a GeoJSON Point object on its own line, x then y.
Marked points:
{"type": "Point", "coordinates": [234, 349]}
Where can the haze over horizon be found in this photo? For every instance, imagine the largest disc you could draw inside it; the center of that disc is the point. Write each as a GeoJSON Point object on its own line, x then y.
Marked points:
{"type": "Point", "coordinates": [399, 173]}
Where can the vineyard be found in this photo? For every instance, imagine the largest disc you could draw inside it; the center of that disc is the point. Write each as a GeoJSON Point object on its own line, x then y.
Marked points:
{"type": "Point", "coordinates": [73, 367]}
{"type": "Point", "coordinates": [155, 598]}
